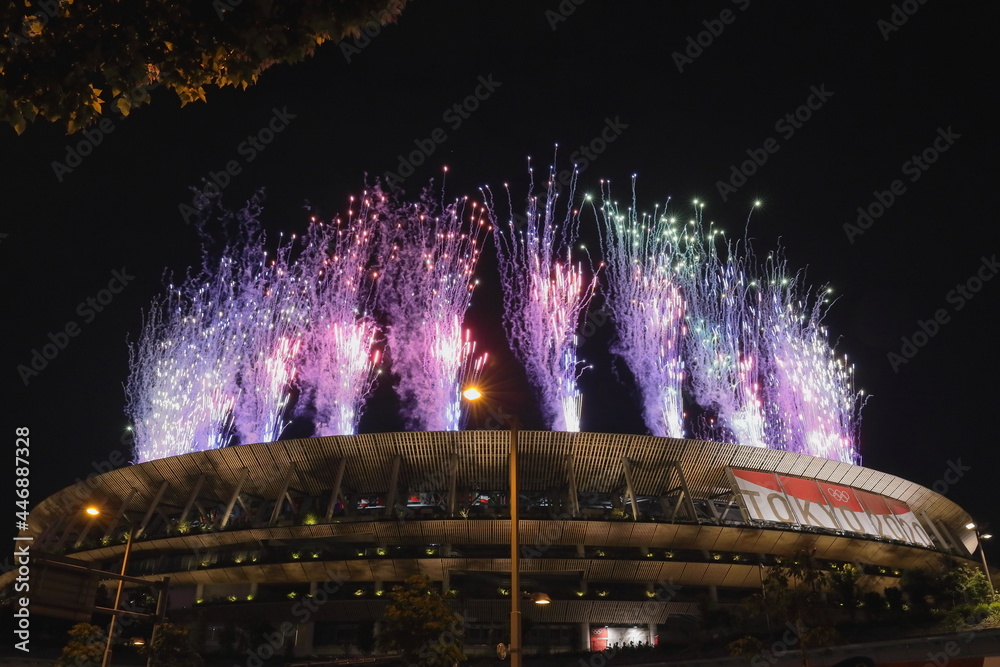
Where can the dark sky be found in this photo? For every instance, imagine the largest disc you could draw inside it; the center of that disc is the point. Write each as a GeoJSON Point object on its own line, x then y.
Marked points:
{"type": "Point", "coordinates": [887, 94]}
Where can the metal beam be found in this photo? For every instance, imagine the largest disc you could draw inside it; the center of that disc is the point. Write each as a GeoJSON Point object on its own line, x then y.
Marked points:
{"type": "Point", "coordinates": [390, 497]}
{"type": "Point", "coordinates": [191, 498]}
{"type": "Point", "coordinates": [677, 506]}
{"type": "Point", "coordinates": [713, 511]}
{"type": "Point", "coordinates": [121, 512]}
{"type": "Point", "coordinates": [335, 493]}
{"type": "Point", "coordinates": [71, 521]}
{"type": "Point", "coordinates": [152, 508]}
{"type": "Point", "coordinates": [629, 489]}
{"type": "Point", "coordinates": [232, 499]}
{"type": "Point", "coordinates": [83, 535]}
{"type": "Point", "coordinates": [453, 486]}
{"type": "Point", "coordinates": [956, 543]}
{"type": "Point", "coordinates": [687, 491]}
{"type": "Point", "coordinates": [934, 529]}
{"type": "Point", "coordinates": [280, 500]}
{"type": "Point", "coordinates": [50, 533]}
{"type": "Point", "coordinates": [574, 496]}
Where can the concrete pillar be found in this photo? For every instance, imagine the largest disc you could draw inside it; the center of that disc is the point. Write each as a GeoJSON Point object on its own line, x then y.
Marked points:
{"type": "Point", "coordinates": [713, 593]}
{"type": "Point", "coordinates": [585, 635]}
{"type": "Point", "coordinates": [651, 629]}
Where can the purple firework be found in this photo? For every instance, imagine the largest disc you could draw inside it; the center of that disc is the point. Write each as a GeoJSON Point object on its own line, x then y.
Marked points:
{"type": "Point", "coordinates": [339, 365]}
{"type": "Point", "coordinates": [643, 255]}
{"type": "Point", "coordinates": [723, 347]}
{"type": "Point", "coordinates": [431, 252]}
{"type": "Point", "coordinates": [810, 389]}
{"type": "Point", "coordinates": [546, 294]}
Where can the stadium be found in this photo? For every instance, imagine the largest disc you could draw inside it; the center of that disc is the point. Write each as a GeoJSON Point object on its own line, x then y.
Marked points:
{"type": "Point", "coordinates": [628, 535]}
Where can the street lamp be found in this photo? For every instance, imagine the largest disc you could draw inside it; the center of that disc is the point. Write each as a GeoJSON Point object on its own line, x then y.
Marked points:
{"type": "Point", "coordinates": [473, 394]}
{"type": "Point", "coordinates": [980, 536]}
{"type": "Point", "coordinates": [106, 661]}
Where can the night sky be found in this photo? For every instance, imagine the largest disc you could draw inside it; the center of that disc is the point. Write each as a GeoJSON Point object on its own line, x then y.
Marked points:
{"type": "Point", "coordinates": [682, 115]}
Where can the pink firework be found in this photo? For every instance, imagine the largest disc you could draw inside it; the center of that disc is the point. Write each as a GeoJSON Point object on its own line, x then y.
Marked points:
{"type": "Point", "coordinates": [431, 251]}
{"type": "Point", "coordinates": [809, 387]}
{"type": "Point", "coordinates": [643, 255]}
{"type": "Point", "coordinates": [546, 295]}
{"type": "Point", "coordinates": [339, 365]}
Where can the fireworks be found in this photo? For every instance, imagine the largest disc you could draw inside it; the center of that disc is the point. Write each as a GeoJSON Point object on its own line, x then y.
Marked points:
{"type": "Point", "coordinates": [222, 356]}
{"type": "Point", "coordinates": [695, 312]}
{"type": "Point", "coordinates": [270, 313]}
{"type": "Point", "coordinates": [723, 349]}
{"type": "Point", "coordinates": [814, 408]}
{"type": "Point", "coordinates": [182, 388]}
{"type": "Point", "coordinates": [759, 358]}
{"type": "Point", "coordinates": [339, 366]}
{"type": "Point", "coordinates": [545, 296]}
{"type": "Point", "coordinates": [642, 257]}
{"type": "Point", "coordinates": [431, 254]}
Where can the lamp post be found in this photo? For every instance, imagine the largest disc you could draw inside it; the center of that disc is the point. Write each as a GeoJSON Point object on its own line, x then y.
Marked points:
{"type": "Point", "coordinates": [515, 562]}
{"type": "Point", "coordinates": [980, 536]}
{"type": "Point", "coordinates": [106, 661]}
{"type": "Point", "coordinates": [514, 650]}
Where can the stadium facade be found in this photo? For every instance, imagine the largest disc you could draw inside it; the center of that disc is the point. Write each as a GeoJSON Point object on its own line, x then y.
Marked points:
{"type": "Point", "coordinates": [628, 535]}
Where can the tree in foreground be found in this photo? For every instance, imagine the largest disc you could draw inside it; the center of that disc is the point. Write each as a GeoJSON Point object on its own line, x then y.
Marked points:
{"type": "Point", "coordinates": [67, 60]}
{"type": "Point", "coordinates": [421, 626]}
{"type": "Point", "coordinates": [171, 647]}
{"type": "Point", "coordinates": [85, 647]}
{"type": "Point", "coordinates": [792, 596]}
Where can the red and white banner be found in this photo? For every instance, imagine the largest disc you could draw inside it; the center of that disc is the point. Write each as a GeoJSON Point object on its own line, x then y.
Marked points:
{"type": "Point", "coordinates": [770, 497]}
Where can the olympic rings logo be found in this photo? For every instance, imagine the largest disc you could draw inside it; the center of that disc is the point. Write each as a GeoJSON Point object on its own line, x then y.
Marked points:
{"type": "Point", "coordinates": [839, 495]}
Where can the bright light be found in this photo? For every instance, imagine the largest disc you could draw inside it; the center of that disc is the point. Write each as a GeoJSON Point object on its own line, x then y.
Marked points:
{"type": "Point", "coordinates": [970, 526]}
{"type": "Point", "coordinates": [540, 598]}
{"type": "Point", "coordinates": [986, 536]}
{"type": "Point", "coordinates": [472, 394]}
{"type": "Point", "coordinates": [93, 511]}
